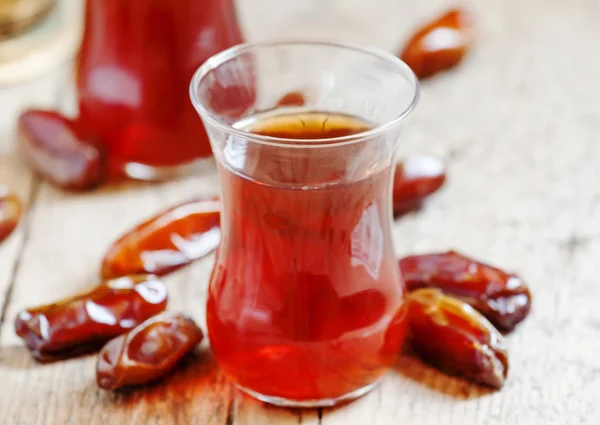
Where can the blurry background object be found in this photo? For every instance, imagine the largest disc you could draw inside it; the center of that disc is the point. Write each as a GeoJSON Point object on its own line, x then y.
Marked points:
{"type": "Point", "coordinates": [17, 16]}
{"type": "Point", "coordinates": [36, 36]}
{"type": "Point", "coordinates": [132, 77]}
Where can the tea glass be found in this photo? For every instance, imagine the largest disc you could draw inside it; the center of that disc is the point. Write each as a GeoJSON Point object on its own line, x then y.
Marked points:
{"type": "Point", "coordinates": [306, 306]}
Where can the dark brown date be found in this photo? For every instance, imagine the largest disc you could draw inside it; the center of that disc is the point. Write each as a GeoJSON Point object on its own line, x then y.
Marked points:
{"type": "Point", "coordinates": [148, 352]}
{"type": "Point", "coordinates": [455, 338]}
{"type": "Point", "coordinates": [503, 298]}
{"type": "Point", "coordinates": [416, 178]}
{"type": "Point", "coordinates": [84, 322]}
{"type": "Point", "coordinates": [440, 44]}
{"type": "Point", "coordinates": [10, 212]}
{"type": "Point", "coordinates": [56, 149]}
{"type": "Point", "coordinates": [164, 243]}
{"type": "Point", "coordinates": [293, 98]}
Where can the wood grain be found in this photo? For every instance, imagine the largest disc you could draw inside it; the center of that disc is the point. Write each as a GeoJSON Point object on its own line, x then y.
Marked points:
{"type": "Point", "coordinates": [519, 123]}
{"type": "Point", "coordinates": [15, 174]}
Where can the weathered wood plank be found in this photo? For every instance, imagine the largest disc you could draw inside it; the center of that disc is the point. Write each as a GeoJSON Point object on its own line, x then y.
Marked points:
{"type": "Point", "coordinates": [519, 128]}
{"type": "Point", "coordinates": [14, 173]}
{"type": "Point", "coordinates": [249, 411]}
{"type": "Point", "coordinates": [519, 124]}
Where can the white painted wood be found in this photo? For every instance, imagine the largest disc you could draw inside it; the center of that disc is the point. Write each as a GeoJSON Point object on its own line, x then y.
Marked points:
{"type": "Point", "coordinates": [14, 172]}
{"type": "Point", "coordinates": [519, 123]}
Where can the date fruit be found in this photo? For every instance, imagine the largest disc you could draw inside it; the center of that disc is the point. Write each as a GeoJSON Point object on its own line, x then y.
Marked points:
{"type": "Point", "coordinates": [441, 44]}
{"type": "Point", "coordinates": [84, 322]}
{"type": "Point", "coordinates": [148, 352]}
{"type": "Point", "coordinates": [450, 335]}
{"type": "Point", "coordinates": [293, 98]}
{"type": "Point", "coordinates": [503, 298]}
{"type": "Point", "coordinates": [10, 212]}
{"type": "Point", "coordinates": [415, 178]}
{"type": "Point", "coordinates": [164, 243]}
{"type": "Point", "coordinates": [56, 149]}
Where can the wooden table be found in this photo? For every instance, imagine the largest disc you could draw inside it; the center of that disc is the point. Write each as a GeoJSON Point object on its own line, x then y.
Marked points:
{"type": "Point", "coordinates": [519, 123]}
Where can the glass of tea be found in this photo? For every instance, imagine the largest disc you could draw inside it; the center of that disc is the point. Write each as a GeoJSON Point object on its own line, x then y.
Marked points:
{"type": "Point", "coordinates": [306, 306]}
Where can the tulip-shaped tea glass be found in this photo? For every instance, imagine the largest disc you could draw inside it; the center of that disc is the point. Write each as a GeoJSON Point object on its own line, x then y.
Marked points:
{"type": "Point", "coordinates": [306, 306]}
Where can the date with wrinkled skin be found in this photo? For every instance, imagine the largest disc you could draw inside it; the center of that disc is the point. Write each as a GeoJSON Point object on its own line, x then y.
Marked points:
{"type": "Point", "coordinates": [440, 44]}
{"type": "Point", "coordinates": [166, 242]}
{"type": "Point", "coordinates": [293, 98]}
{"type": "Point", "coordinates": [10, 212]}
{"type": "Point", "coordinates": [147, 352]}
{"type": "Point", "coordinates": [503, 298]}
{"type": "Point", "coordinates": [453, 337]}
{"type": "Point", "coordinates": [56, 149]}
{"type": "Point", "coordinates": [82, 323]}
{"type": "Point", "coordinates": [416, 178]}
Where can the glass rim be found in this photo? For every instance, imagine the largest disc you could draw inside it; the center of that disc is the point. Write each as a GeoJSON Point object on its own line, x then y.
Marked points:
{"type": "Point", "coordinates": [228, 54]}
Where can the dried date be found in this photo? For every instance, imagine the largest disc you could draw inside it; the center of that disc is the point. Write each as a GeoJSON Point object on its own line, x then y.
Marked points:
{"type": "Point", "coordinates": [148, 352]}
{"type": "Point", "coordinates": [416, 178]}
{"type": "Point", "coordinates": [10, 212]}
{"type": "Point", "coordinates": [450, 335]}
{"type": "Point", "coordinates": [83, 322]}
{"type": "Point", "coordinates": [503, 298]}
{"type": "Point", "coordinates": [164, 243]}
{"type": "Point", "coordinates": [440, 44]}
{"type": "Point", "coordinates": [56, 149]}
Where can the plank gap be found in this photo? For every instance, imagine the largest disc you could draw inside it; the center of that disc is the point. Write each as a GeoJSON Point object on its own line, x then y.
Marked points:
{"type": "Point", "coordinates": [231, 408]}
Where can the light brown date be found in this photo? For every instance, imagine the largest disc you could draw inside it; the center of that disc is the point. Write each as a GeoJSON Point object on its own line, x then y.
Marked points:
{"type": "Point", "coordinates": [440, 44]}
{"type": "Point", "coordinates": [10, 212]}
{"type": "Point", "coordinates": [56, 149]}
{"type": "Point", "coordinates": [450, 335]}
{"type": "Point", "coordinates": [169, 240]}
{"type": "Point", "coordinates": [416, 178]}
{"type": "Point", "coordinates": [84, 322]}
{"type": "Point", "coordinates": [503, 298]}
{"type": "Point", "coordinates": [147, 352]}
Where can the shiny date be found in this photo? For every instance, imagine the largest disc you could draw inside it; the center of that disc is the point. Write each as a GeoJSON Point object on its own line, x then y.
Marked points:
{"type": "Point", "coordinates": [10, 212]}
{"type": "Point", "coordinates": [503, 298]}
{"type": "Point", "coordinates": [416, 178]}
{"type": "Point", "coordinates": [82, 323]}
{"type": "Point", "coordinates": [56, 149]}
{"type": "Point", "coordinates": [453, 337]}
{"type": "Point", "coordinates": [147, 352]}
{"type": "Point", "coordinates": [441, 44]}
{"type": "Point", "coordinates": [167, 241]}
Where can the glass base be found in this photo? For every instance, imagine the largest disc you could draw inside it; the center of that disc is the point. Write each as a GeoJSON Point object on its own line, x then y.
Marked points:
{"type": "Point", "coordinates": [324, 402]}
{"type": "Point", "coordinates": [143, 172]}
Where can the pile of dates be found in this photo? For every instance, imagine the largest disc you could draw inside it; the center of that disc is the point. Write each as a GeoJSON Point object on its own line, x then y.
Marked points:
{"type": "Point", "coordinates": [459, 308]}
{"type": "Point", "coordinates": [125, 317]}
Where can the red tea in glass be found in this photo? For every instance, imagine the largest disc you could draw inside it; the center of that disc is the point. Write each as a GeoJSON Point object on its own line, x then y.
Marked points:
{"type": "Point", "coordinates": [133, 70]}
{"type": "Point", "coordinates": [306, 306]}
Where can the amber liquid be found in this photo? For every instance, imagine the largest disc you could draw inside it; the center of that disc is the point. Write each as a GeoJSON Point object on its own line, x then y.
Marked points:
{"type": "Point", "coordinates": [305, 301]}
